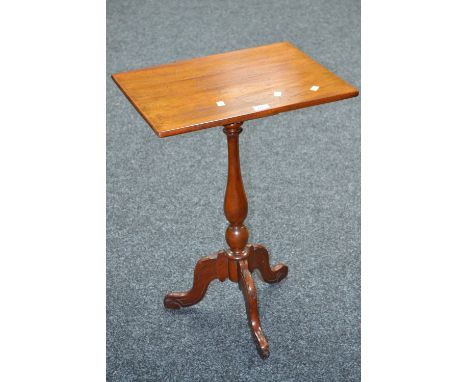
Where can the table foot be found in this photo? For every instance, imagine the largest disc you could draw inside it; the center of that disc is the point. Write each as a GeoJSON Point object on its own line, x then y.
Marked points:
{"type": "Point", "coordinates": [260, 259]}
{"type": "Point", "coordinates": [222, 266]}
{"type": "Point", "coordinates": [246, 284]}
{"type": "Point", "coordinates": [208, 268]}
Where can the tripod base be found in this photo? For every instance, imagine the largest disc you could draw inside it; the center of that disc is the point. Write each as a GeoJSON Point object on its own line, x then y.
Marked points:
{"type": "Point", "coordinates": [224, 265]}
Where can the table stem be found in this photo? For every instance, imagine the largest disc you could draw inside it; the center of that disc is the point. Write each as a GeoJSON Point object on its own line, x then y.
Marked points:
{"type": "Point", "coordinates": [235, 200]}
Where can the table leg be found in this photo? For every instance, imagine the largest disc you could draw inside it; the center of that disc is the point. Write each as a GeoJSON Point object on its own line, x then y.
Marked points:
{"type": "Point", "coordinates": [240, 259]}
{"type": "Point", "coordinates": [260, 259]}
{"type": "Point", "coordinates": [247, 286]}
{"type": "Point", "coordinates": [208, 268]}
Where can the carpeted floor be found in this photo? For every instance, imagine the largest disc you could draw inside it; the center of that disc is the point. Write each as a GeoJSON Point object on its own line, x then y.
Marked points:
{"type": "Point", "coordinates": [165, 204]}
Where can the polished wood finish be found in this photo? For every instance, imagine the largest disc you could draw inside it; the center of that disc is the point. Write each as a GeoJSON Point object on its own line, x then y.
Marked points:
{"type": "Point", "coordinates": [260, 260]}
{"type": "Point", "coordinates": [208, 268]}
{"type": "Point", "coordinates": [226, 90]}
{"type": "Point", "coordinates": [223, 266]}
{"type": "Point", "coordinates": [235, 201]}
{"type": "Point", "coordinates": [182, 96]}
{"type": "Point", "coordinates": [238, 261]}
{"type": "Point", "coordinates": [247, 286]}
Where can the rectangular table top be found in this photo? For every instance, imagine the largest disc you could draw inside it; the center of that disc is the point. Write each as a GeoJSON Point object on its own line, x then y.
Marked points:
{"type": "Point", "coordinates": [229, 87]}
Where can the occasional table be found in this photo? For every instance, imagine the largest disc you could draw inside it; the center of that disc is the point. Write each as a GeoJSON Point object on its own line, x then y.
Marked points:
{"type": "Point", "coordinates": [226, 90]}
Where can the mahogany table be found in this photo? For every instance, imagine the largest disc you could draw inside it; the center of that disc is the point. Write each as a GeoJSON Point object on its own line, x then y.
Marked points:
{"type": "Point", "coordinates": [228, 89]}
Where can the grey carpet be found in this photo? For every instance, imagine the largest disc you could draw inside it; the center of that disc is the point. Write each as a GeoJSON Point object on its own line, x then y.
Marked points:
{"type": "Point", "coordinates": [165, 204]}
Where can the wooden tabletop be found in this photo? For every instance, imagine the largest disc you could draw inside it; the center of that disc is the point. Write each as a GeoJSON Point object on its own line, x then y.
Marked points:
{"type": "Point", "coordinates": [229, 87]}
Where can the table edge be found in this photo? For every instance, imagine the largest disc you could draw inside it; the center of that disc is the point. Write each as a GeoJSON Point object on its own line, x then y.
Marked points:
{"type": "Point", "coordinates": [241, 118]}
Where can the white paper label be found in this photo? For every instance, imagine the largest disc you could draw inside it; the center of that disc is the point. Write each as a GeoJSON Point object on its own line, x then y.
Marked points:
{"type": "Point", "coordinates": [220, 103]}
{"type": "Point", "coordinates": [261, 107]}
{"type": "Point", "coordinates": [315, 88]}
{"type": "Point", "coordinates": [277, 94]}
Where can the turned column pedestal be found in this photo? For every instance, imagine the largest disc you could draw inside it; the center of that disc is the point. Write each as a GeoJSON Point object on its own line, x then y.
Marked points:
{"type": "Point", "coordinates": [240, 259]}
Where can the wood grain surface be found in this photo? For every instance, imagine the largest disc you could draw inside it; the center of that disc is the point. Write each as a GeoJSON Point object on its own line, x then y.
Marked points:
{"type": "Point", "coordinates": [250, 83]}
